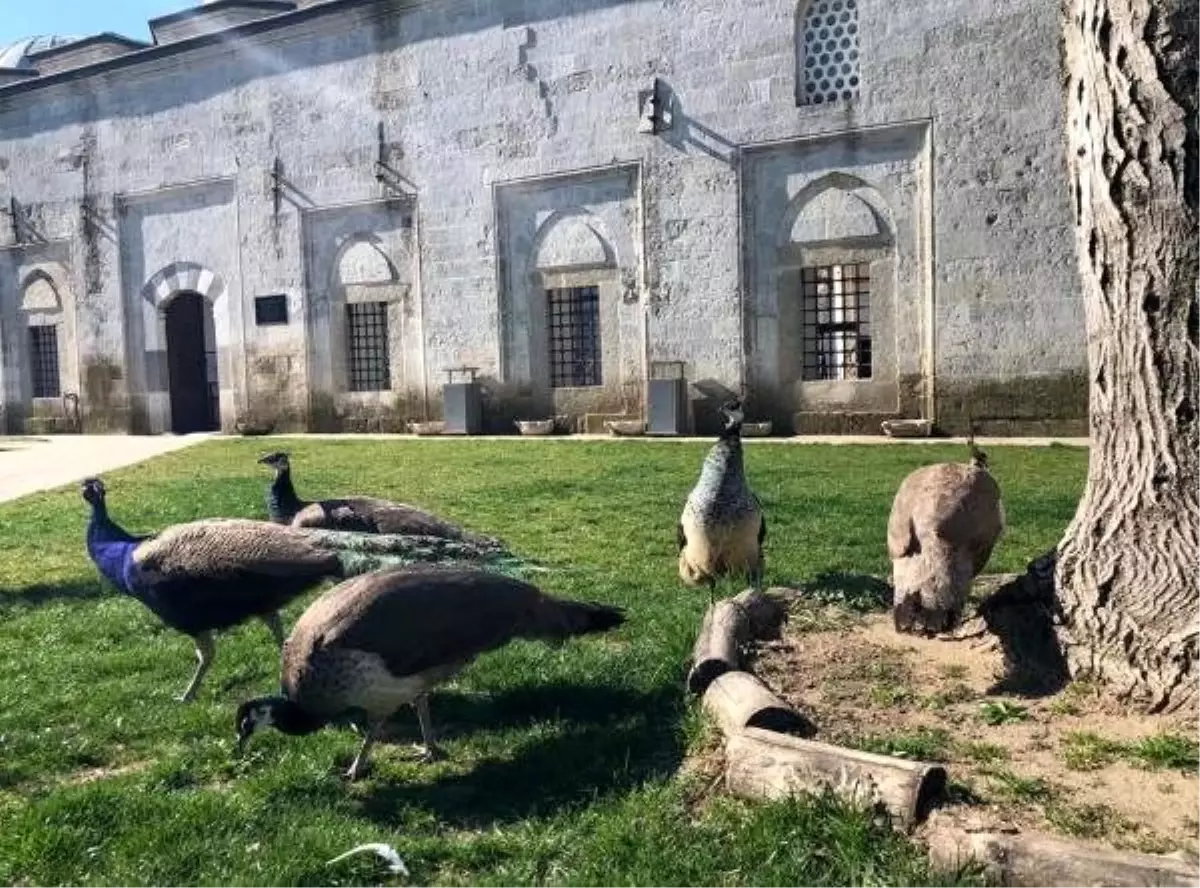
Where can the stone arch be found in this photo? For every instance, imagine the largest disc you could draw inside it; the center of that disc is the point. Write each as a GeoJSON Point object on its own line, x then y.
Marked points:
{"type": "Point", "coordinates": [857, 211]}
{"type": "Point", "coordinates": [361, 261]}
{"type": "Point", "coordinates": [40, 294]}
{"type": "Point", "coordinates": [571, 238]}
{"type": "Point", "coordinates": [182, 277]}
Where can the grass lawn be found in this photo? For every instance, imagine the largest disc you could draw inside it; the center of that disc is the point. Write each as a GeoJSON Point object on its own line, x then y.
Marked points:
{"type": "Point", "coordinates": [562, 763]}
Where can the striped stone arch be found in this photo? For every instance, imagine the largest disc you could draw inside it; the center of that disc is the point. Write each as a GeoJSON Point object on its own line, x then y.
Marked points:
{"type": "Point", "coordinates": [182, 277]}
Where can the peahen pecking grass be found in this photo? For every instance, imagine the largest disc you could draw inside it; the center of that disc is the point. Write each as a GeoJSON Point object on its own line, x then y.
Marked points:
{"type": "Point", "coordinates": [383, 640]}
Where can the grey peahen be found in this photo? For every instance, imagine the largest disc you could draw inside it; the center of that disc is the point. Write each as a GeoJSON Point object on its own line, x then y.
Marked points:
{"type": "Point", "coordinates": [360, 514]}
{"type": "Point", "coordinates": [208, 575]}
{"type": "Point", "coordinates": [383, 640]}
{"type": "Point", "coordinates": [722, 529]}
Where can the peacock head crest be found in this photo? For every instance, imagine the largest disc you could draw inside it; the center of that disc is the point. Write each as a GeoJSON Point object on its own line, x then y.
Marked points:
{"type": "Point", "coordinates": [733, 414]}
{"type": "Point", "coordinates": [277, 460]}
{"type": "Point", "coordinates": [93, 491]}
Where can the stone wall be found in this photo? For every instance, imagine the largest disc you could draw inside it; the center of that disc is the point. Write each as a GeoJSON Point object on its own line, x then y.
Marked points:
{"type": "Point", "coordinates": [457, 137]}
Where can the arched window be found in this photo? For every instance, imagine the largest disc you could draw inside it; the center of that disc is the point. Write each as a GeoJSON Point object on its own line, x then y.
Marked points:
{"type": "Point", "coordinates": [835, 239]}
{"type": "Point", "coordinates": [366, 275]}
{"type": "Point", "coordinates": [573, 260]}
{"type": "Point", "coordinates": [42, 309]}
{"type": "Point", "coordinates": [827, 52]}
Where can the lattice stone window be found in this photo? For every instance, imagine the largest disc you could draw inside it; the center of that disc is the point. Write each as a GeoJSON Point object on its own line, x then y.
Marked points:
{"type": "Point", "coordinates": [367, 329]}
{"type": "Point", "coordinates": [830, 52]}
{"type": "Point", "coordinates": [836, 320]}
{"type": "Point", "coordinates": [574, 315]}
{"type": "Point", "coordinates": [43, 357]}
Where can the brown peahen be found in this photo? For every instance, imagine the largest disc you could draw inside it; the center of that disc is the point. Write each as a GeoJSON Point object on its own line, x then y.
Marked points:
{"type": "Point", "coordinates": [383, 640]}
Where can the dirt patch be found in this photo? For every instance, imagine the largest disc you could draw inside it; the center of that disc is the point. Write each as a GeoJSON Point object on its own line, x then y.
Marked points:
{"type": "Point", "coordinates": [1076, 763]}
{"type": "Point", "coordinates": [91, 775]}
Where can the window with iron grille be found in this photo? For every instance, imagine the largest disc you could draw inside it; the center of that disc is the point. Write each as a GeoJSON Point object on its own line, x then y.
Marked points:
{"type": "Point", "coordinates": [836, 320]}
{"type": "Point", "coordinates": [43, 357]}
{"type": "Point", "coordinates": [367, 329]}
{"type": "Point", "coordinates": [574, 315]}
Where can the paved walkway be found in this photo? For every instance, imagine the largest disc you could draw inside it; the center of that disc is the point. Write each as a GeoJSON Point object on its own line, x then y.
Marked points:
{"type": "Point", "coordinates": [29, 464]}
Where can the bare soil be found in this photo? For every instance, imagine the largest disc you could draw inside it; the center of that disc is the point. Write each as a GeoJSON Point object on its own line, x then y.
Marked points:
{"type": "Point", "coordinates": [1066, 764]}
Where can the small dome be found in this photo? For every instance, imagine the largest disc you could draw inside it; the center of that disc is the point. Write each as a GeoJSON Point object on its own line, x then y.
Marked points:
{"type": "Point", "coordinates": [16, 55]}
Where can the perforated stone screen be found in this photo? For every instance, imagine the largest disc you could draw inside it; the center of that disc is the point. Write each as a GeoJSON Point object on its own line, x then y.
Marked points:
{"type": "Point", "coordinates": [830, 52]}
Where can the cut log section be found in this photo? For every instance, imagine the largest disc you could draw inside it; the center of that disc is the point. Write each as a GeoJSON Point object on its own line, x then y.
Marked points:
{"type": "Point", "coordinates": [739, 700]}
{"type": "Point", "coordinates": [1034, 859]}
{"type": "Point", "coordinates": [766, 764]}
{"type": "Point", "coordinates": [727, 626]}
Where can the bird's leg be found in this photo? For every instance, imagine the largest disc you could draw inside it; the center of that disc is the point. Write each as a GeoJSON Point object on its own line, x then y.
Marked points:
{"type": "Point", "coordinates": [275, 624]}
{"type": "Point", "coordinates": [205, 650]}
{"type": "Point", "coordinates": [358, 767]}
{"type": "Point", "coordinates": [429, 751]}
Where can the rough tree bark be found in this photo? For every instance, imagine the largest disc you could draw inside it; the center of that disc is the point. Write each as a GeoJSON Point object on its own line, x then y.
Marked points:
{"type": "Point", "coordinates": [1127, 568]}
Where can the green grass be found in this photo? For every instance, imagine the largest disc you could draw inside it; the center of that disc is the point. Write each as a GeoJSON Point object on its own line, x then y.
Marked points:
{"type": "Point", "coordinates": [563, 762]}
{"type": "Point", "coordinates": [923, 744]}
{"type": "Point", "coordinates": [1002, 712]}
{"type": "Point", "coordinates": [1017, 788]}
{"type": "Point", "coordinates": [1085, 751]}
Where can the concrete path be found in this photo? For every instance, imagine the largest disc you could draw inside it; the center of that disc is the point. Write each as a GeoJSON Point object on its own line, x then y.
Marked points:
{"type": "Point", "coordinates": [29, 464]}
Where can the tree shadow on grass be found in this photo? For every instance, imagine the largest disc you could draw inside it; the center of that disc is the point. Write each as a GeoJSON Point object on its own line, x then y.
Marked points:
{"type": "Point", "coordinates": [39, 595]}
{"type": "Point", "coordinates": [588, 741]}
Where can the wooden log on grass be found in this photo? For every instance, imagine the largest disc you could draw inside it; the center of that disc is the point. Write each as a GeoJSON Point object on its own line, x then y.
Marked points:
{"type": "Point", "coordinates": [767, 764]}
{"type": "Point", "coordinates": [1037, 859]}
{"type": "Point", "coordinates": [728, 625]}
{"type": "Point", "coordinates": [739, 700]}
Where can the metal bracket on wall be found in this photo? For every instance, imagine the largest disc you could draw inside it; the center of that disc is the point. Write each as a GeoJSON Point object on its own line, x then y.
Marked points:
{"type": "Point", "coordinates": [14, 210]}
{"type": "Point", "coordinates": [277, 184]}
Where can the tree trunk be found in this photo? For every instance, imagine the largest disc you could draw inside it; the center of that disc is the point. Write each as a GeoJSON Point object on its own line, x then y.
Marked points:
{"type": "Point", "coordinates": [1126, 572]}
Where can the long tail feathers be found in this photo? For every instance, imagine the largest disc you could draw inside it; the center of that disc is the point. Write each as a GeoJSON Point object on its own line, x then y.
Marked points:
{"type": "Point", "coordinates": [360, 553]}
{"type": "Point", "coordinates": [563, 619]}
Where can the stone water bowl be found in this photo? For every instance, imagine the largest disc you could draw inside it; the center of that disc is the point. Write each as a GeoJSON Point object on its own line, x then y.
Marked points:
{"type": "Point", "coordinates": [756, 429]}
{"type": "Point", "coordinates": [534, 427]}
{"type": "Point", "coordinates": [433, 427]}
{"type": "Point", "coordinates": [625, 428]}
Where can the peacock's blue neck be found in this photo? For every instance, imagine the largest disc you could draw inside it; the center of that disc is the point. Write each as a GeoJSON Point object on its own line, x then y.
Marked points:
{"type": "Point", "coordinates": [282, 502]}
{"type": "Point", "coordinates": [110, 548]}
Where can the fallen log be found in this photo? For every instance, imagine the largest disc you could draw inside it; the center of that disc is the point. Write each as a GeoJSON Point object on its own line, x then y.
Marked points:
{"type": "Point", "coordinates": [739, 700]}
{"type": "Point", "coordinates": [727, 626]}
{"type": "Point", "coordinates": [1035, 859]}
{"type": "Point", "coordinates": [767, 764]}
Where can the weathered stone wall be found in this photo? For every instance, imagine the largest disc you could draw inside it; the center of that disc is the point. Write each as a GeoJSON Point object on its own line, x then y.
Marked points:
{"type": "Point", "coordinates": [449, 108]}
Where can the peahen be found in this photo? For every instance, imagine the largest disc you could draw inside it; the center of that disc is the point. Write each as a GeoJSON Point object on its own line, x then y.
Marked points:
{"type": "Point", "coordinates": [360, 514]}
{"type": "Point", "coordinates": [383, 640]}
{"type": "Point", "coordinates": [722, 529]}
{"type": "Point", "coordinates": [945, 521]}
{"type": "Point", "coordinates": [208, 575]}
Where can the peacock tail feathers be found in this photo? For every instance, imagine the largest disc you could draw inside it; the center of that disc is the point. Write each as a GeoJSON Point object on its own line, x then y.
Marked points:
{"type": "Point", "coordinates": [360, 553]}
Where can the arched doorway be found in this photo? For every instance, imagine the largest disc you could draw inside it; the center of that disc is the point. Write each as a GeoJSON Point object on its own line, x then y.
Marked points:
{"type": "Point", "coordinates": [192, 364]}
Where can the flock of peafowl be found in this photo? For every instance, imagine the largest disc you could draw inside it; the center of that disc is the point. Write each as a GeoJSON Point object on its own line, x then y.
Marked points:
{"type": "Point", "coordinates": [419, 598]}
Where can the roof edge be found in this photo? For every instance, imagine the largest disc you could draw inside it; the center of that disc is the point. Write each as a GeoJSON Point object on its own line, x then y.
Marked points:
{"type": "Point", "coordinates": [102, 37]}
